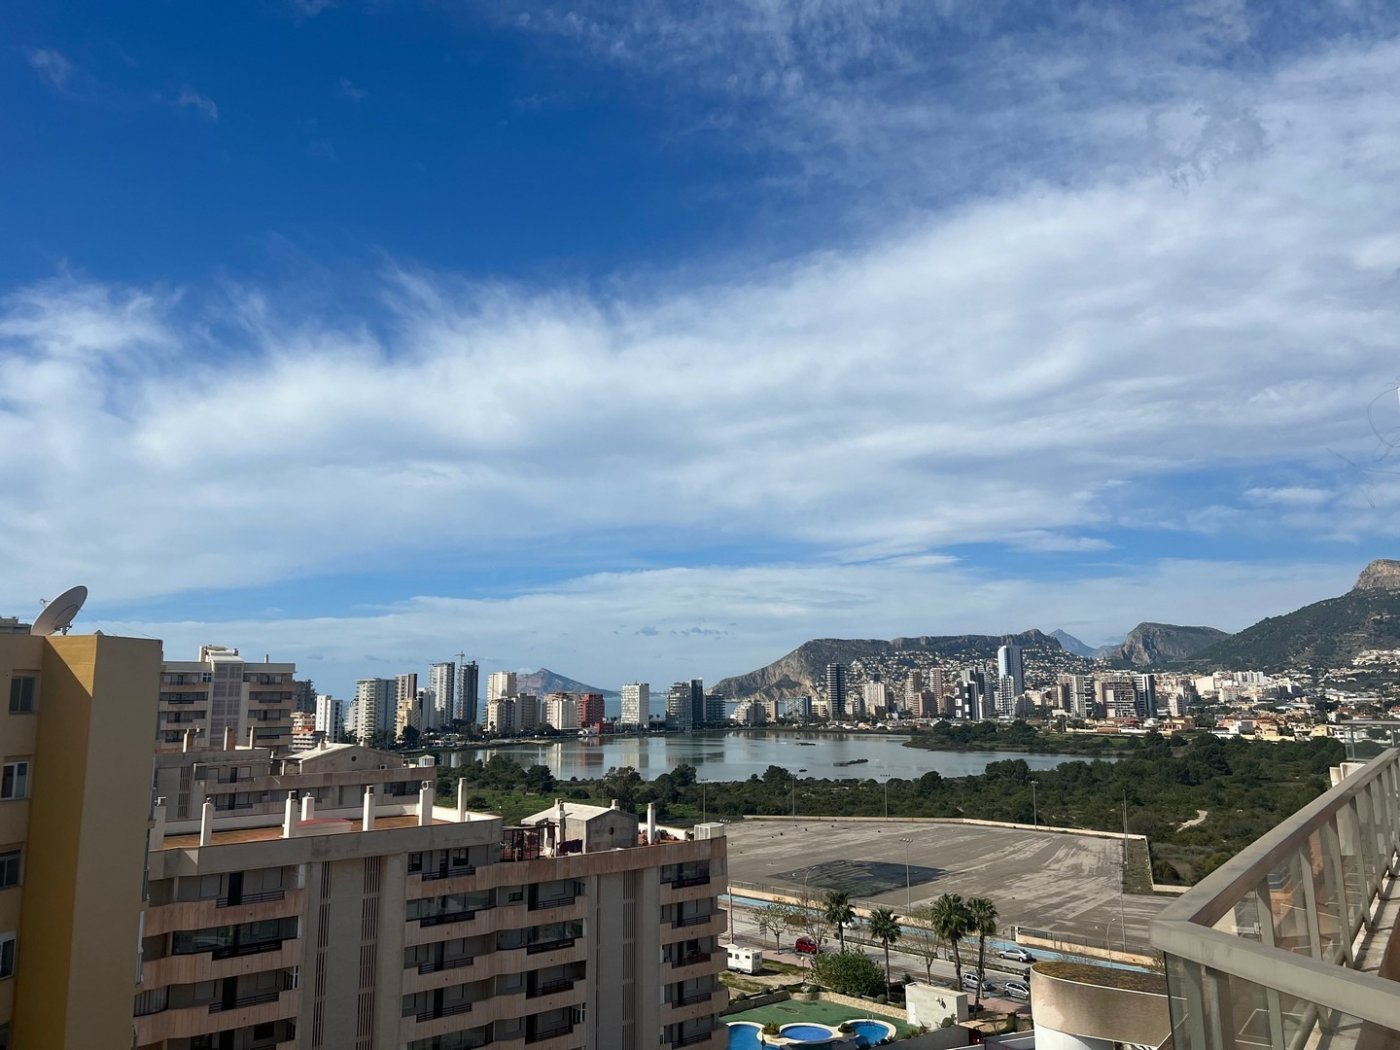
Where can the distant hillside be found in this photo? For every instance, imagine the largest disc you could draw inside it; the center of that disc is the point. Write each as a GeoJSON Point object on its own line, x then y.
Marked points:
{"type": "Point", "coordinates": [546, 681]}
{"type": "Point", "coordinates": [1328, 633]}
{"type": "Point", "coordinates": [1154, 644]}
{"type": "Point", "coordinates": [800, 671]}
{"type": "Point", "coordinates": [1070, 644]}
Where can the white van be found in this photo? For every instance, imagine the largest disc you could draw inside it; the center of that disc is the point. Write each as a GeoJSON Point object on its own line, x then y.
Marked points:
{"type": "Point", "coordinates": [745, 960]}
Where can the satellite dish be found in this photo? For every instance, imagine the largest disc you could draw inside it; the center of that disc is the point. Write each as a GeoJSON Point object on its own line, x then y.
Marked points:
{"type": "Point", "coordinates": [58, 614]}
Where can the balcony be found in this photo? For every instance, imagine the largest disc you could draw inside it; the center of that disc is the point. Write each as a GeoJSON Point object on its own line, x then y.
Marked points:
{"type": "Point", "coordinates": [553, 902]}
{"type": "Point", "coordinates": [691, 920]}
{"type": "Point", "coordinates": [450, 873]}
{"type": "Point", "coordinates": [261, 897]}
{"type": "Point", "coordinates": [548, 1033]}
{"type": "Point", "coordinates": [1285, 944]}
{"type": "Point", "coordinates": [562, 984]}
{"type": "Point", "coordinates": [698, 1038]}
{"type": "Point", "coordinates": [549, 946]}
{"type": "Point", "coordinates": [690, 880]}
{"type": "Point", "coordinates": [446, 964]}
{"type": "Point", "coordinates": [247, 1000]}
{"type": "Point", "coordinates": [449, 1010]}
{"type": "Point", "coordinates": [208, 1018]}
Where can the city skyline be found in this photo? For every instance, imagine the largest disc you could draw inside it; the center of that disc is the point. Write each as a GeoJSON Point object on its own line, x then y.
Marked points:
{"type": "Point", "coordinates": [705, 332]}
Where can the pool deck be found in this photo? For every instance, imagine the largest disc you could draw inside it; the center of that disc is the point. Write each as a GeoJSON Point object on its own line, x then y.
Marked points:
{"type": "Point", "coordinates": [1055, 881]}
{"type": "Point", "coordinates": [795, 1011]}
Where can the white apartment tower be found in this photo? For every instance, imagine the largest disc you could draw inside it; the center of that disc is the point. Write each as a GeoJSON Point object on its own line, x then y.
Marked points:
{"type": "Point", "coordinates": [500, 684]}
{"type": "Point", "coordinates": [636, 704]}
{"type": "Point", "coordinates": [220, 692]}
{"type": "Point", "coordinates": [330, 717]}
{"type": "Point", "coordinates": [442, 684]}
{"type": "Point", "coordinates": [374, 710]}
{"type": "Point", "coordinates": [1010, 665]}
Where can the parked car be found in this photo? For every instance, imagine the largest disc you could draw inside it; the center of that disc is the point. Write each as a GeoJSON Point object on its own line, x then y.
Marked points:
{"type": "Point", "coordinates": [1019, 954]}
{"type": "Point", "coordinates": [1018, 990]}
{"type": "Point", "coordinates": [971, 982]}
{"type": "Point", "coordinates": [807, 946]}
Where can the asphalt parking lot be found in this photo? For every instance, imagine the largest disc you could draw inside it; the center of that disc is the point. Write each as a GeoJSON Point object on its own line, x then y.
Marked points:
{"type": "Point", "coordinates": [1059, 882]}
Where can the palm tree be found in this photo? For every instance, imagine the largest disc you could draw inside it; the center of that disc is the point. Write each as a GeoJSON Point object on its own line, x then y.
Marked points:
{"type": "Point", "coordinates": [982, 920]}
{"type": "Point", "coordinates": [948, 917]}
{"type": "Point", "coordinates": [837, 910]}
{"type": "Point", "coordinates": [884, 927]}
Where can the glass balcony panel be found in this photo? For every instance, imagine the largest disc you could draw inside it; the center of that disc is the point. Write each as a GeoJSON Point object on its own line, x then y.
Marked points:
{"type": "Point", "coordinates": [1330, 921]}
{"type": "Point", "coordinates": [1242, 920]}
{"type": "Point", "coordinates": [1288, 906]}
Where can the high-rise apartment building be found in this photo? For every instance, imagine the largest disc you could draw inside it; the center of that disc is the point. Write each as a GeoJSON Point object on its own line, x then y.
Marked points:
{"type": "Point", "coordinates": [468, 691]}
{"type": "Point", "coordinates": [697, 702]}
{"type": "Point", "coordinates": [561, 711]}
{"type": "Point", "coordinates": [636, 704]}
{"type": "Point", "coordinates": [590, 710]}
{"type": "Point", "coordinates": [1010, 665]}
{"type": "Point", "coordinates": [876, 696]}
{"type": "Point", "coordinates": [501, 683]}
{"type": "Point", "coordinates": [716, 708]}
{"type": "Point", "coordinates": [340, 908]}
{"type": "Point", "coordinates": [304, 695]}
{"type": "Point", "coordinates": [836, 691]}
{"type": "Point", "coordinates": [221, 692]}
{"type": "Point", "coordinates": [75, 802]}
{"type": "Point", "coordinates": [330, 718]}
{"type": "Point", "coordinates": [374, 710]}
{"type": "Point", "coordinates": [407, 708]}
{"type": "Point", "coordinates": [442, 684]}
{"type": "Point", "coordinates": [500, 715]}
{"type": "Point", "coordinates": [678, 709]}
{"type": "Point", "coordinates": [1145, 691]}
{"type": "Point", "coordinates": [527, 712]}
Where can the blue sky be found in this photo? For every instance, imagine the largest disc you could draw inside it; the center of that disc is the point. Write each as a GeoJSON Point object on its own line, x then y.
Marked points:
{"type": "Point", "coordinates": [649, 340]}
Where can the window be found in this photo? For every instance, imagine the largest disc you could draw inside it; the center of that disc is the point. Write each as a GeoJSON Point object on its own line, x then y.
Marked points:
{"type": "Point", "coordinates": [7, 955]}
{"type": "Point", "coordinates": [24, 691]}
{"type": "Point", "coordinates": [14, 782]}
{"type": "Point", "coordinates": [9, 868]}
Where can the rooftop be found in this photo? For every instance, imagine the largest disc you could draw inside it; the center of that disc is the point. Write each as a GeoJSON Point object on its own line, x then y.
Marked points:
{"type": "Point", "coordinates": [274, 831]}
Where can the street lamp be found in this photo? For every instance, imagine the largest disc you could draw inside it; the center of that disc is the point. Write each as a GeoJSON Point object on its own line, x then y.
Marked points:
{"type": "Point", "coordinates": [1035, 813]}
{"type": "Point", "coordinates": [886, 778]}
{"type": "Point", "coordinates": [908, 885]}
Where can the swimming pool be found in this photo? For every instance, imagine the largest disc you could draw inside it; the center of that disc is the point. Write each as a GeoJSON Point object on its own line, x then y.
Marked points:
{"type": "Point", "coordinates": [744, 1036]}
{"type": "Point", "coordinates": [812, 1034]}
{"type": "Point", "coordinates": [871, 1031]}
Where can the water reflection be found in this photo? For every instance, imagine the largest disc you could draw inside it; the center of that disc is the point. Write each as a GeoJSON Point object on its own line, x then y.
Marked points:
{"type": "Point", "coordinates": [737, 756]}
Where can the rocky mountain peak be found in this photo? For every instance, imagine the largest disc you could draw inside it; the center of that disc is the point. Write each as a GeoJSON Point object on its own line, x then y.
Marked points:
{"type": "Point", "coordinates": [1383, 574]}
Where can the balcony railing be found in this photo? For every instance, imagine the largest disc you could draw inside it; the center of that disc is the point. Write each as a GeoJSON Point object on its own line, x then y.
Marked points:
{"type": "Point", "coordinates": [553, 902]}
{"type": "Point", "coordinates": [691, 959]}
{"type": "Point", "coordinates": [242, 1001]}
{"type": "Point", "coordinates": [232, 951]}
{"type": "Point", "coordinates": [549, 946]}
{"type": "Point", "coordinates": [549, 1033]}
{"type": "Point", "coordinates": [691, 998]}
{"type": "Point", "coordinates": [691, 920]}
{"type": "Point", "coordinates": [445, 964]}
{"type": "Point", "coordinates": [452, 916]}
{"type": "Point", "coordinates": [562, 984]}
{"type": "Point", "coordinates": [251, 898]}
{"type": "Point", "coordinates": [450, 873]}
{"type": "Point", "coordinates": [693, 1038]}
{"type": "Point", "coordinates": [690, 880]}
{"type": "Point", "coordinates": [449, 1010]}
{"type": "Point", "coordinates": [1268, 941]}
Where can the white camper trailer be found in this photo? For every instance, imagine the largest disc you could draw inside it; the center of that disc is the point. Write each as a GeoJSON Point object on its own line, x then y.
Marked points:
{"type": "Point", "coordinates": [745, 960]}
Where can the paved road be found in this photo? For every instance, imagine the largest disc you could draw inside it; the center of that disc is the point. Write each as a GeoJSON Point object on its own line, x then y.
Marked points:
{"type": "Point", "coordinates": [1061, 883]}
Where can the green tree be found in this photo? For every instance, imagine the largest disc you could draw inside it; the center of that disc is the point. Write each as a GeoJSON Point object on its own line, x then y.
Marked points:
{"type": "Point", "coordinates": [409, 736]}
{"type": "Point", "coordinates": [847, 973]}
{"type": "Point", "coordinates": [838, 911]}
{"type": "Point", "coordinates": [884, 927]}
{"type": "Point", "coordinates": [982, 920]}
{"type": "Point", "coordinates": [923, 940]}
{"type": "Point", "coordinates": [949, 918]}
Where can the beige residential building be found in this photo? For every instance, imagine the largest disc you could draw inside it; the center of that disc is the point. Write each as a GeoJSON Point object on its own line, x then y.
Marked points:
{"type": "Point", "coordinates": [75, 745]}
{"type": "Point", "coordinates": [322, 901]}
{"type": "Point", "coordinates": [220, 692]}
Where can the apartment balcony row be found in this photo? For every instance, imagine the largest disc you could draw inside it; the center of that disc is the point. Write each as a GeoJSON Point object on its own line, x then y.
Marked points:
{"type": "Point", "coordinates": [465, 923]}
{"type": "Point", "coordinates": [490, 1009]}
{"type": "Point", "coordinates": [1286, 944]}
{"type": "Point", "coordinates": [217, 964]}
{"type": "Point", "coordinates": [693, 927]}
{"type": "Point", "coordinates": [220, 911]}
{"type": "Point", "coordinates": [695, 1005]}
{"type": "Point", "coordinates": [693, 965]}
{"type": "Point", "coordinates": [716, 1038]}
{"type": "Point", "coordinates": [685, 890]}
{"type": "Point", "coordinates": [186, 1022]}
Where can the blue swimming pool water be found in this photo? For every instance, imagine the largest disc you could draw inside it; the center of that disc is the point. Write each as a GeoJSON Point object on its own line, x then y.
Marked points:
{"type": "Point", "coordinates": [743, 1037]}
{"type": "Point", "coordinates": [871, 1031]}
{"type": "Point", "coordinates": [807, 1033]}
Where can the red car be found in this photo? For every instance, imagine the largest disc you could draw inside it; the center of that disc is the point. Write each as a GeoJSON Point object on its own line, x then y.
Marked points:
{"type": "Point", "coordinates": [807, 946]}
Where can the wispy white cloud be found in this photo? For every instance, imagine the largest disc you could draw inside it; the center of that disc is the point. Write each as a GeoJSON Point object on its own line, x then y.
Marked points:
{"type": "Point", "coordinates": [52, 67]}
{"type": "Point", "coordinates": [348, 90]}
{"type": "Point", "coordinates": [189, 98]}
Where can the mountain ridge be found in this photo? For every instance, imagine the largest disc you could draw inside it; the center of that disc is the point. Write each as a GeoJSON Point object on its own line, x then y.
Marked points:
{"type": "Point", "coordinates": [545, 681]}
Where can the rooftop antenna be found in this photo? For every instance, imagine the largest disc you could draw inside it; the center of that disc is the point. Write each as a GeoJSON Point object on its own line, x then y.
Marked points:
{"type": "Point", "coordinates": [58, 614]}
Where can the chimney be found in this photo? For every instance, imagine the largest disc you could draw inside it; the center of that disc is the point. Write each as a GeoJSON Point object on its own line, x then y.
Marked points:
{"type": "Point", "coordinates": [563, 820]}
{"type": "Point", "coordinates": [425, 804]}
{"type": "Point", "coordinates": [462, 800]}
{"type": "Point", "coordinates": [651, 823]}
{"type": "Point", "coordinates": [206, 824]}
{"type": "Point", "coordinates": [308, 806]}
{"type": "Point", "coordinates": [289, 816]}
{"type": "Point", "coordinates": [367, 820]}
{"type": "Point", "coordinates": [252, 737]}
{"type": "Point", "coordinates": [189, 739]}
{"type": "Point", "coordinates": [228, 738]}
{"type": "Point", "coordinates": [614, 805]}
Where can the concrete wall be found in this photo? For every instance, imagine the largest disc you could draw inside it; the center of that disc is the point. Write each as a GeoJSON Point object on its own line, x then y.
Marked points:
{"type": "Point", "coordinates": [1090, 1011]}
{"type": "Point", "coordinates": [929, 1004]}
{"type": "Point", "coordinates": [79, 933]}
